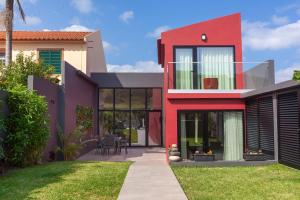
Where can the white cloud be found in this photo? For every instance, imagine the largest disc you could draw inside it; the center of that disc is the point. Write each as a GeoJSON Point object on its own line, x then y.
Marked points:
{"type": "Point", "coordinates": [78, 28]}
{"type": "Point", "coordinates": [140, 66]}
{"type": "Point", "coordinates": [127, 16]}
{"type": "Point", "coordinates": [83, 6]}
{"type": "Point", "coordinates": [286, 73]}
{"type": "Point", "coordinates": [260, 36]}
{"type": "Point", "coordinates": [277, 20]}
{"type": "Point", "coordinates": [156, 33]}
{"type": "Point", "coordinates": [108, 47]}
{"type": "Point", "coordinates": [32, 21]}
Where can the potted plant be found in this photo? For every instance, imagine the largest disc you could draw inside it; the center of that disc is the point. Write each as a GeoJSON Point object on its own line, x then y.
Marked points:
{"type": "Point", "coordinates": [211, 83]}
{"type": "Point", "coordinates": [254, 155]}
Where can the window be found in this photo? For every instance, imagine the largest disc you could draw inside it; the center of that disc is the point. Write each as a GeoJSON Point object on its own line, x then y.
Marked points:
{"type": "Point", "coordinates": [138, 99]}
{"type": "Point", "coordinates": [204, 68]}
{"type": "Point", "coordinates": [154, 99]}
{"type": "Point", "coordinates": [2, 57]}
{"type": "Point", "coordinates": [53, 58]}
{"type": "Point", "coordinates": [106, 99]}
{"type": "Point", "coordinates": [122, 99]}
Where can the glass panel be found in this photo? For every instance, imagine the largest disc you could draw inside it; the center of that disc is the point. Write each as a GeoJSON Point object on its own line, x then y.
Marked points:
{"type": "Point", "coordinates": [184, 68]}
{"type": "Point", "coordinates": [138, 99]}
{"type": "Point", "coordinates": [154, 100]}
{"type": "Point", "coordinates": [233, 132]}
{"type": "Point", "coordinates": [106, 99]}
{"type": "Point", "coordinates": [192, 130]}
{"type": "Point", "coordinates": [122, 99]}
{"type": "Point", "coordinates": [138, 128]}
{"type": "Point", "coordinates": [215, 134]}
{"type": "Point", "coordinates": [105, 122]}
{"type": "Point", "coordinates": [215, 68]}
{"type": "Point", "coordinates": [154, 128]}
{"type": "Point", "coordinates": [121, 124]}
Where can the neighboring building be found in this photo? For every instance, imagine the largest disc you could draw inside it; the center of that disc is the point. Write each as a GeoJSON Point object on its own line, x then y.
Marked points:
{"type": "Point", "coordinates": [83, 50]}
{"type": "Point", "coordinates": [203, 87]}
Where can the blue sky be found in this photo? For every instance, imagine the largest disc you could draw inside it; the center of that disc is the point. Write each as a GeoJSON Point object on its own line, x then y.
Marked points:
{"type": "Point", "coordinates": [271, 29]}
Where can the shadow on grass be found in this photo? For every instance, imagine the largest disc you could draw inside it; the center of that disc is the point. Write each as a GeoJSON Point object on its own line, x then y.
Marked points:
{"type": "Point", "coordinates": [19, 183]}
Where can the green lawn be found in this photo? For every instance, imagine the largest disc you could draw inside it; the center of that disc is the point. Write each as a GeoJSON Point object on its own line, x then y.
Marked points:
{"type": "Point", "coordinates": [65, 180]}
{"type": "Point", "coordinates": [274, 182]}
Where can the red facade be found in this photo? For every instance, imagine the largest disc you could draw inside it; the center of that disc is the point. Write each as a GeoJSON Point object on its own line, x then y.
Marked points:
{"type": "Point", "coordinates": [224, 31]}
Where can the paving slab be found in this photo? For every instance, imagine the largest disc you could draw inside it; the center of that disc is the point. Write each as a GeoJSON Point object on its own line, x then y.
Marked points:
{"type": "Point", "coordinates": [150, 177]}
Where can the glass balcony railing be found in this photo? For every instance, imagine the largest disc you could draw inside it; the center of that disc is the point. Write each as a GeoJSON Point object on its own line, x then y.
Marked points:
{"type": "Point", "coordinates": [215, 75]}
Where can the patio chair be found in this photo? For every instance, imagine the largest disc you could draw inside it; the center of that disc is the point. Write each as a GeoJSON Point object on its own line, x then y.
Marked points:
{"type": "Point", "coordinates": [122, 143]}
{"type": "Point", "coordinates": [108, 142]}
{"type": "Point", "coordinates": [99, 146]}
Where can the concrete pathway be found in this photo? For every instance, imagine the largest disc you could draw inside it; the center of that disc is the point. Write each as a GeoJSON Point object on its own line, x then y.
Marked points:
{"type": "Point", "coordinates": [150, 177]}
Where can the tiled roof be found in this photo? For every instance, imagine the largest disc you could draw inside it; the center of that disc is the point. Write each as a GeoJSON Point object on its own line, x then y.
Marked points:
{"type": "Point", "coordinates": [45, 35]}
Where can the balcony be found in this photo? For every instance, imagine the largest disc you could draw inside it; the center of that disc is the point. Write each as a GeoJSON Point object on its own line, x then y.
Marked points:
{"type": "Point", "coordinates": [215, 79]}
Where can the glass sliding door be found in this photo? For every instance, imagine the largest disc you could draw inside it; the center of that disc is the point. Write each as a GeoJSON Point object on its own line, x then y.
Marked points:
{"type": "Point", "coordinates": [216, 63]}
{"type": "Point", "coordinates": [192, 132]}
{"type": "Point", "coordinates": [138, 128]}
{"type": "Point", "coordinates": [121, 125]}
{"type": "Point", "coordinates": [184, 68]}
{"type": "Point", "coordinates": [154, 128]}
{"type": "Point", "coordinates": [204, 68]}
{"type": "Point", "coordinates": [132, 113]}
{"type": "Point", "coordinates": [233, 131]}
{"type": "Point", "coordinates": [217, 131]}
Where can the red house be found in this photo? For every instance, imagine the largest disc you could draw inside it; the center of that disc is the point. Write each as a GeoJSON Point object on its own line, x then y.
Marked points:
{"type": "Point", "coordinates": [203, 83]}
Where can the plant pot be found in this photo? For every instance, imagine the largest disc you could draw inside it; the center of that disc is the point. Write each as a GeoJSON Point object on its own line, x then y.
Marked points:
{"type": "Point", "coordinates": [211, 83]}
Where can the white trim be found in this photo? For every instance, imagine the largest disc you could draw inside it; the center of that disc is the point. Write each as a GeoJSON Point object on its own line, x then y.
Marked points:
{"type": "Point", "coordinates": [209, 91]}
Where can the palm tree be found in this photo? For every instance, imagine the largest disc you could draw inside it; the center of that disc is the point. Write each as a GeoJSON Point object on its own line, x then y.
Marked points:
{"type": "Point", "coordinates": [8, 20]}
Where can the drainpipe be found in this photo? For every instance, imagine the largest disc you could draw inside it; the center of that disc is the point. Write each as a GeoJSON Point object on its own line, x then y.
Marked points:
{"type": "Point", "coordinates": [275, 122]}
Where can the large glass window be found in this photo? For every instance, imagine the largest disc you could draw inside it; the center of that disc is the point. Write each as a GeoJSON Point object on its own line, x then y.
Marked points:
{"type": "Point", "coordinates": [106, 122]}
{"type": "Point", "coordinates": [106, 99]}
{"type": "Point", "coordinates": [122, 99]}
{"type": "Point", "coordinates": [138, 99]}
{"type": "Point", "coordinates": [154, 99]}
{"type": "Point", "coordinates": [204, 68]}
{"type": "Point", "coordinates": [138, 128]}
{"type": "Point", "coordinates": [220, 133]}
{"type": "Point", "coordinates": [132, 113]}
{"type": "Point", "coordinates": [121, 125]}
{"type": "Point", "coordinates": [184, 68]}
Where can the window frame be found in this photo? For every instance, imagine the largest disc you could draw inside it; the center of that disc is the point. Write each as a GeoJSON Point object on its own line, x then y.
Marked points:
{"type": "Point", "coordinates": [53, 49]}
{"type": "Point", "coordinates": [195, 67]}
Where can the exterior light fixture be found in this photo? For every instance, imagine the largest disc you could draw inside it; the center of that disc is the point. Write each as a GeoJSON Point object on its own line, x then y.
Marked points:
{"type": "Point", "coordinates": [203, 37]}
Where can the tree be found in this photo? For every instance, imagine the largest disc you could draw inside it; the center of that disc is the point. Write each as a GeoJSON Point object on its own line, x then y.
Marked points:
{"type": "Point", "coordinates": [296, 76]}
{"type": "Point", "coordinates": [8, 22]}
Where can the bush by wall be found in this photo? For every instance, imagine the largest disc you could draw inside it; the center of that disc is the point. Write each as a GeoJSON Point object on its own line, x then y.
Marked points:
{"type": "Point", "coordinates": [296, 76]}
{"type": "Point", "coordinates": [27, 126]}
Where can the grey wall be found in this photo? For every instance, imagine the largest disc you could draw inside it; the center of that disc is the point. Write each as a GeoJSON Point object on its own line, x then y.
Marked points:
{"type": "Point", "coordinates": [50, 91]}
{"type": "Point", "coordinates": [260, 76]}
{"type": "Point", "coordinates": [128, 80]}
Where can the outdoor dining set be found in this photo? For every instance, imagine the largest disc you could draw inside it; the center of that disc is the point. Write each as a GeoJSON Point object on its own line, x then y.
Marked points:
{"type": "Point", "coordinates": [111, 142]}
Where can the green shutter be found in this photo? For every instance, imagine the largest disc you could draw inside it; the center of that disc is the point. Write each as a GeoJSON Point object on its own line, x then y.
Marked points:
{"type": "Point", "coordinates": [53, 58]}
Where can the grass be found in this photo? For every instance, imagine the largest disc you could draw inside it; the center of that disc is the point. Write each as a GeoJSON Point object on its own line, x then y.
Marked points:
{"type": "Point", "coordinates": [65, 180]}
{"type": "Point", "coordinates": [272, 182]}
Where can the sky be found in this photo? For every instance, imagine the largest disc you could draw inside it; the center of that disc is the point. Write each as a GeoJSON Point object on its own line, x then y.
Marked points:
{"type": "Point", "coordinates": [270, 28]}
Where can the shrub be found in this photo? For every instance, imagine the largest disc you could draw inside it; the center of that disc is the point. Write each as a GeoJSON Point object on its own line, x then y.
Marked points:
{"type": "Point", "coordinates": [17, 72]}
{"type": "Point", "coordinates": [296, 76]}
{"type": "Point", "coordinates": [27, 126]}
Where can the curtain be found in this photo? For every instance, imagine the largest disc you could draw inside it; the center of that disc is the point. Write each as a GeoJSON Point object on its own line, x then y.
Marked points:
{"type": "Point", "coordinates": [183, 136]}
{"type": "Point", "coordinates": [233, 136]}
{"type": "Point", "coordinates": [216, 62]}
{"type": "Point", "coordinates": [184, 68]}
